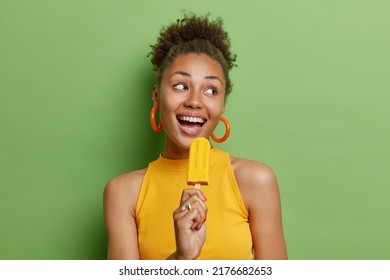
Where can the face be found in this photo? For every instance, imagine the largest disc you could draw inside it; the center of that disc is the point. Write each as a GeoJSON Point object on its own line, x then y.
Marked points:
{"type": "Point", "coordinates": [191, 98]}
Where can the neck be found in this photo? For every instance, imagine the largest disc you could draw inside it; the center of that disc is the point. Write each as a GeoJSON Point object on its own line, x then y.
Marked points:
{"type": "Point", "coordinates": [174, 151]}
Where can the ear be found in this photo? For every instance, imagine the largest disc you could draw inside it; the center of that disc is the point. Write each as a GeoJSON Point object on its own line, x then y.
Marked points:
{"type": "Point", "coordinates": [155, 95]}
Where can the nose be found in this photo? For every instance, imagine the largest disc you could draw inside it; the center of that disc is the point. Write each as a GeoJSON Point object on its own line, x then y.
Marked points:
{"type": "Point", "coordinates": [194, 101]}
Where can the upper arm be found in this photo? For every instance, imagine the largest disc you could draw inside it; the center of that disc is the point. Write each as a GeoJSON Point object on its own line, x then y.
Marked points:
{"type": "Point", "coordinates": [120, 197]}
{"type": "Point", "coordinates": [260, 191]}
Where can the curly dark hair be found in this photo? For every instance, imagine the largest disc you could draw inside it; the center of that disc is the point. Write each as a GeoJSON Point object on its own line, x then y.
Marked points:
{"type": "Point", "coordinates": [193, 34]}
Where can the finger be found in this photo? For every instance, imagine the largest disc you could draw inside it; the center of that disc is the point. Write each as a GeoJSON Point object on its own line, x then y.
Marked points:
{"type": "Point", "coordinates": [194, 206]}
{"type": "Point", "coordinates": [197, 216]}
{"type": "Point", "coordinates": [187, 193]}
{"type": "Point", "coordinates": [191, 215]}
{"type": "Point", "coordinates": [196, 213]}
{"type": "Point", "coordinates": [189, 220]}
{"type": "Point", "coordinates": [194, 198]}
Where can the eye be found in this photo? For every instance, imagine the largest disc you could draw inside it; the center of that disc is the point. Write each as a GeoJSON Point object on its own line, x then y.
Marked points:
{"type": "Point", "coordinates": [180, 86]}
{"type": "Point", "coordinates": [211, 91]}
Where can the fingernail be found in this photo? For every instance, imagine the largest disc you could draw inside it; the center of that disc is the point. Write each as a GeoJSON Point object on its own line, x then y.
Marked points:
{"type": "Point", "coordinates": [204, 197]}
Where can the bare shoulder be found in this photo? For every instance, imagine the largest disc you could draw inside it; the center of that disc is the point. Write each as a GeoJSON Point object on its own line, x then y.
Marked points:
{"type": "Point", "coordinates": [245, 169]}
{"type": "Point", "coordinates": [124, 188]}
{"type": "Point", "coordinates": [260, 192]}
{"type": "Point", "coordinates": [255, 180]}
{"type": "Point", "coordinates": [127, 180]}
{"type": "Point", "coordinates": [120, 200]}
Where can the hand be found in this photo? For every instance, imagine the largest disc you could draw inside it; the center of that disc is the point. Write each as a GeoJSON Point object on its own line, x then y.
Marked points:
{"type": "Point", "coordinates": [190, 230]}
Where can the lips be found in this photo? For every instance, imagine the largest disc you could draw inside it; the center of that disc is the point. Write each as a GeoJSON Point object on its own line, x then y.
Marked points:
{"type": "Point", "coordinates": [191, 120]}
{"type": "Point", "coordinates": [191, 125]}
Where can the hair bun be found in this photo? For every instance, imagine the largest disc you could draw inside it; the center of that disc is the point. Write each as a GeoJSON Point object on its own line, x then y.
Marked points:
{"type": "Point", "coordinates": [188, 29]}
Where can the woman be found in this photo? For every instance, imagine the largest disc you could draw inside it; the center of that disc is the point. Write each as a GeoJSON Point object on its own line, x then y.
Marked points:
{"type": "Point", "coordinates": [152, 213]}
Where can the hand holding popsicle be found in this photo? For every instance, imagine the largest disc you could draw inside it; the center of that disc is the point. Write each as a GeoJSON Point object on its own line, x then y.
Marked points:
{"type": "Point", "coordinates": [190, 230]}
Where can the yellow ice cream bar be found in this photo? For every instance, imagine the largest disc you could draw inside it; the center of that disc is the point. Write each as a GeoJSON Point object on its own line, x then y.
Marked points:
{"type": "Point", "coordinates": [199, 162]}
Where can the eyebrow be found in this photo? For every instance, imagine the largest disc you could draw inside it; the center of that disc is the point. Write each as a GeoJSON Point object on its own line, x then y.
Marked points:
{"type": "Point", "coordinates": [213, 78]}
{"type": "Point", "coordinates": [183, 73]}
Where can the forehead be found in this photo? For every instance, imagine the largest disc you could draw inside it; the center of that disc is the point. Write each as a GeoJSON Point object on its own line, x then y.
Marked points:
{"type": "Point", "coordinates": [195, 64]}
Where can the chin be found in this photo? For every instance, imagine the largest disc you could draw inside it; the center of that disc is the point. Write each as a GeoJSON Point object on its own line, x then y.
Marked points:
{"type": "Point", "coordinates": [184, 142]}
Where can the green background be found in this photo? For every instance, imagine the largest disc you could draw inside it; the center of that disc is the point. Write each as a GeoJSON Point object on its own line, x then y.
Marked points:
{"type": "Point", "coordinates": [310, 99]}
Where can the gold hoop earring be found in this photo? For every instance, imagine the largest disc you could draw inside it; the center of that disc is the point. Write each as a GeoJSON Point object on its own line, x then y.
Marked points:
{"type": "Point", "coordinates": [227, 132]}
{"type": "Point", "coordinates": [153, 120]}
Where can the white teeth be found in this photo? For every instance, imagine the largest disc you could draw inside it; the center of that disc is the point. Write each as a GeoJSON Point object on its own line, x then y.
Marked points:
{"type": "Point", "coordinates": [192, 119]}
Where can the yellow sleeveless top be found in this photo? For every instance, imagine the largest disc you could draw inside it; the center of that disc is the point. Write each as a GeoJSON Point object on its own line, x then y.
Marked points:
{"type": "Point", "coordinates": [228, 234]}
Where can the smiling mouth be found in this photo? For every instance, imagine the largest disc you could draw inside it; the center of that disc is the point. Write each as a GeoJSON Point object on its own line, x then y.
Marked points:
{"type": "Point", "coordinates": [191, 121]}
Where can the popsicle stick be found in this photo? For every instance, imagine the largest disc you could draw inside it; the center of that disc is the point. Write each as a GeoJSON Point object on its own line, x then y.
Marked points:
{"type": "Point", "coordinates": [197, 186]}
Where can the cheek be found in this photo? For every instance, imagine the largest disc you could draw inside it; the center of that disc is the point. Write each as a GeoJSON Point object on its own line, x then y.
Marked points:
{"type": "Point", "coordinates": [217, 109]}
{"type": "Point", "coordinates": [164, 112]}
{"type": "Point", "coordinates": [167, 105]}
{"type": "Point", "coordinates": [163, 106]}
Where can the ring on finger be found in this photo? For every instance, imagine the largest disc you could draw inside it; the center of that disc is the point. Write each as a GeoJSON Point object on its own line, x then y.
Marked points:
{"type": "Point", "coordinates": [187, 206]}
